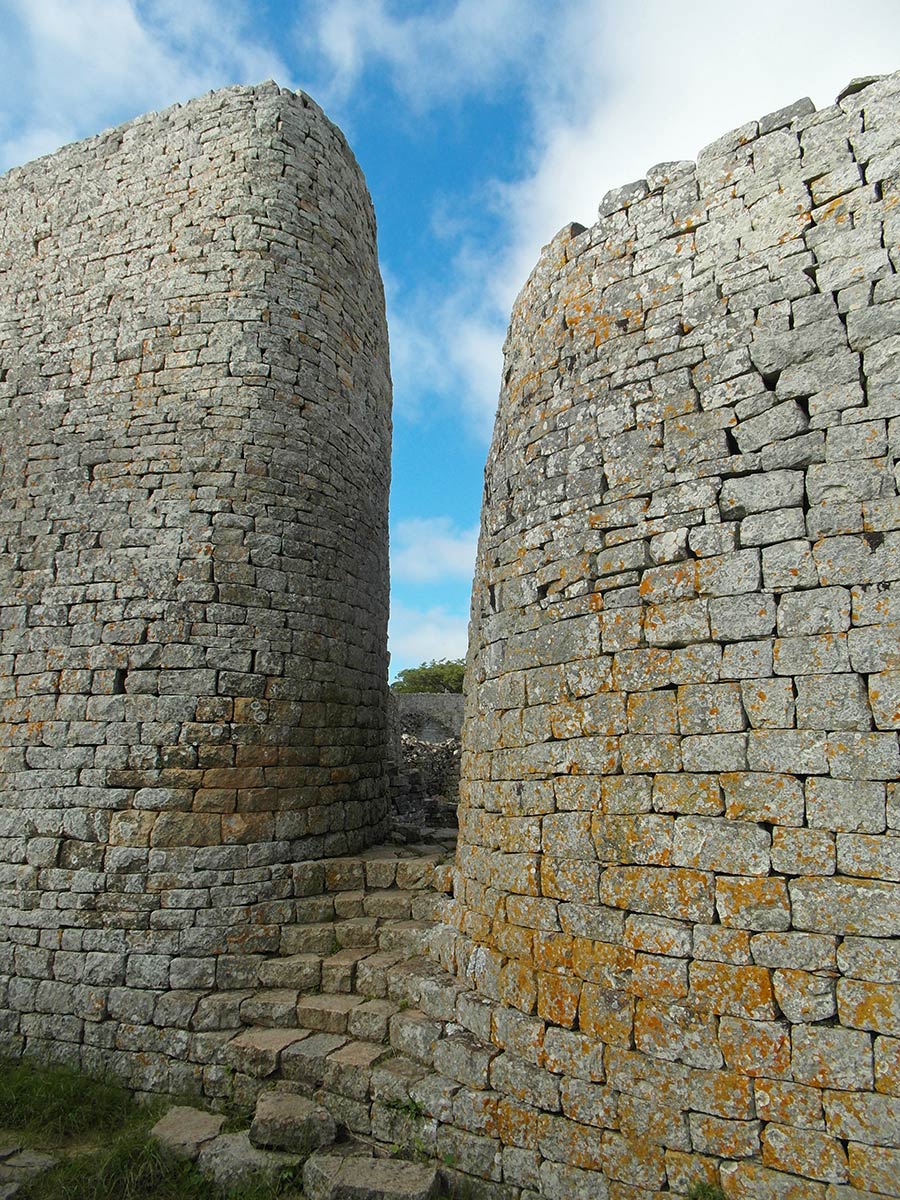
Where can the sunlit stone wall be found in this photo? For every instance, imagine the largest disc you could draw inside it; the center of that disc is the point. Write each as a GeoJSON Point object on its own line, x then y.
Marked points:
{"type": "Point", "coordinates": [194, 464]}
{"type": "Point", "coordinates": [677, 884]}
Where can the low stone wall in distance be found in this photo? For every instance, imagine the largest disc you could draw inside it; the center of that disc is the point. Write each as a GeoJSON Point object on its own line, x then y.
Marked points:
{"type": "Point", "coordinates": [426, 741]}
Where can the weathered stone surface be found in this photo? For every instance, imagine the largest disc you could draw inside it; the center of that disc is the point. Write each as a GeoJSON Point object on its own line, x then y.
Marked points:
{"type": "Point", "coordinates": [283, 1121]}
{"type": "Point", "coordinates": [344, 1177]}
{"type": "Point", "coordinates": [184, 1130]}
{"type": "Point", "coordinates": [739, 554]}
{"type": "Point", "coordinates": [231, 1160]}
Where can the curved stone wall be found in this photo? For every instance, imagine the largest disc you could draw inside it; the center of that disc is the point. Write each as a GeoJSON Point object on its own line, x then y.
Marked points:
{"type": "Point", "coordinates": [194, 466]}
{"type": "Point", "coordinates": [679, 866]}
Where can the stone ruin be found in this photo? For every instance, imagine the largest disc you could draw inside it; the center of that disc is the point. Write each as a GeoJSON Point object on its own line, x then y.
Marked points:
{"type": "Point", "coordinates": [193, 516]}
{"type": "Point", "coordinates": [679, 856]}
{"type": "Point", "coordinates": [426, 728]}
{"type": "Point", "coordinates": [671, 954]}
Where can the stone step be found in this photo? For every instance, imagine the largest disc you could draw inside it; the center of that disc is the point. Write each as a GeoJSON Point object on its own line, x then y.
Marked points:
{"type": "Point", "coordinates": [392, 904]}
{"type": "Point", "coordinates": [338, 971]}
{"type": "Point", "coordinates": [415, 1035]}
{"type": "Point", "coordinates": [407, 937]}
{"type": "Point", "coordinates": [330, 1176]}
{"type": "Point", "coordinates": [355, 932]}
{"type": "Point", "coordinates": [327, 1012]}
{"type": "Point", "coordinates": [300, 971]}
{"type": "Point", "coordinates": [258, 1052]}
{"type": "Point", "coordinates": [285, 1121]}
{"type": "Point", "coordinates": [271, 1008]}
{"type": "Point", "coordinates": [316, 938]}
{"type": "Point", "coordinates": [372, 973]}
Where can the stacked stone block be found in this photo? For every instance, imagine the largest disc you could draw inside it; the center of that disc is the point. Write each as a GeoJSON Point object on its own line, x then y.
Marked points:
{"type": "Point", "coordinates": [678, 881]}
{"type": "Point", "coordinates": [194, 463]}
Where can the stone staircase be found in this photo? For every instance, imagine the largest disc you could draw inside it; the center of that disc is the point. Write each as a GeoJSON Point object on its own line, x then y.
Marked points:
{"type": "Point", "coordinates": [354, 1015]}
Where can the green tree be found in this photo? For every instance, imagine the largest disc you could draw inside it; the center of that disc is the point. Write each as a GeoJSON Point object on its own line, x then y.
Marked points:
{"type": "Point", "coordinates": [439, 675]}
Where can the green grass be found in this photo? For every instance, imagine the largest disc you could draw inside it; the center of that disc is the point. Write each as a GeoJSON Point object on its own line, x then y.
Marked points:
{"type": "Point", "coordinates": [101, 1136]}
{"type": "Point", "coordinates": [705, 1191]}
{"type": "Point", "coordinates": [131, 1167]}
{"type": "Point", "coordinates": [57, 1105]}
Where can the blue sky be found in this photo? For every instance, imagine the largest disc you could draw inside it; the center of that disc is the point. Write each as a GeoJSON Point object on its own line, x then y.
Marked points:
{"type": "Point", "coordinates": [482, 126]}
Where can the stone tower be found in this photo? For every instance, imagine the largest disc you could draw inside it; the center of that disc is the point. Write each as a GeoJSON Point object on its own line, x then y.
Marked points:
{"type": "Point", "coordinates": [678, 880]}
{"type": "Point", "coordinates": [194, 468]}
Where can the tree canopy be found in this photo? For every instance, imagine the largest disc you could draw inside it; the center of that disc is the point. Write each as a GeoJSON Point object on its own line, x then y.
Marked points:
{"type": "Point", "coordinates": [439, 675]}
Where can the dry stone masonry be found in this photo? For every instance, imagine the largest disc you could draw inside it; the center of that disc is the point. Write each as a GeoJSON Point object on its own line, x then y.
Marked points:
{"type": "Point", "coordinates": [671, 955]}
{"type": "Point", "coordinates": [194, 463]}
{"type": "Point", "coordinates": [678, 882]}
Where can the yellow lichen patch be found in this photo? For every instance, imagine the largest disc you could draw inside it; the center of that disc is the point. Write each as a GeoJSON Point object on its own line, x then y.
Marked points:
{"type": "Point", "coordinates": [519, 1125]}
{"type": "Point", "coordinates": [558, 999]}
{"type": "Point", "coordinates": [518, 985]}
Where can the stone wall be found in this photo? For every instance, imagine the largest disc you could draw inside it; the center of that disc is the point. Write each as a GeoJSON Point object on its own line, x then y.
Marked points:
{"type": "Point", "coordinates": [426, 747]}
{"type": "Point", "coordinates": [678, 880]}
{"type": "Point", "coordinates": [194, 465]}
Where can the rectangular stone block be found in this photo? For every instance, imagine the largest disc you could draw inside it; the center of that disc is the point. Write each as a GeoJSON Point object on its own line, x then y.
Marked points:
{"type": "Point", "coordinates": [833, 702]}
{"type": "Point", "coordinates": [761, 493]}
{"type": "Point", "coordinates": [875, 1006]}
{"type": "Point", "coordinates": [864, 756]}
{"type": "Point", "coordinates": [803, 851]}
{"type": "Point", "coordinates": [753, 903]}
{"type": "Point", "coordinates": [607, 1014]}
{"type": "Point", "coordinates": [804, 1152]}
{"type": "Point", "coordinates": [868, 856]}
{"type": "Point", "coordinates": [763, 796]}
{"type": "Point", "coordinates": [830, 1057]}
{"type": "Point", "coordinates": [714, 752]}
{"type": "Point", "coordinates": [687, 793]}
{"type": "Point", "coordinates": [822, 654]}
{"type": "Point", "coordinates": [786, 751]}
{"type": "Point", "coordinates": [758, 1049]}
{"type": "Point", "coordinates": [740, 991]}
{"type": "Point", "coordinates": [675, 1033]}
{"type": "Point", "coordinates": [874, 1169]}
{"type": "Point", "coordinates": [719, 844]}
{"type": "Point", "coordinates": [792, 1104]}
{"type": "Point", "coordinates": [710, 708]}
{"type": "Point", "coordinates": [848, 805]}
{"type": "Point", "coordinates": [742, 617]}
{"type": "Point", "coordinates": [846, 906]}
{"type": "Point", "coordinates": [811, 613]}
{"type": "Point", "coordinates": [665, 891]}
{"type": "Point", "coordinates": [789, 564]}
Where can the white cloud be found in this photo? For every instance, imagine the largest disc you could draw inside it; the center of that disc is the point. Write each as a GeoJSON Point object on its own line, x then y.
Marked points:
{"type": "Point", "coordinates": [430, 56]}
{"type": "Point", "coordinates": [447, 346]}
{"type": "Point", "coordinates": [615, 89]}
{"type": "Point", "coordinates": [90, 63]}
{"type": "Point", "coordinates": [431, 549]}
{"type": "Point", "coordinates": [416, 636]}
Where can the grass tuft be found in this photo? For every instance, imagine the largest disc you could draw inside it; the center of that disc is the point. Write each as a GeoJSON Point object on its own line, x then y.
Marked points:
{"type": "Point", "coordinates": [101, 1136]}
{"type": "Point", "coordinates": [130, 1168]}
{"type": "Point", "coordinates": [705, 1191]}
{"type": "Point", "coordinates": [52, 1103]}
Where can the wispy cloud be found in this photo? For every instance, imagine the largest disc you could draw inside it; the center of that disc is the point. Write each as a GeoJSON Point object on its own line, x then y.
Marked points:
{"type": "Point", "coordinates": [88, 62]}
{"type": "Point", "coordinates": [430, 56]}
{"type": "Point", "coordinates": [420, 635]}
{"type": "Point", "coordinates": [431, 549]}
